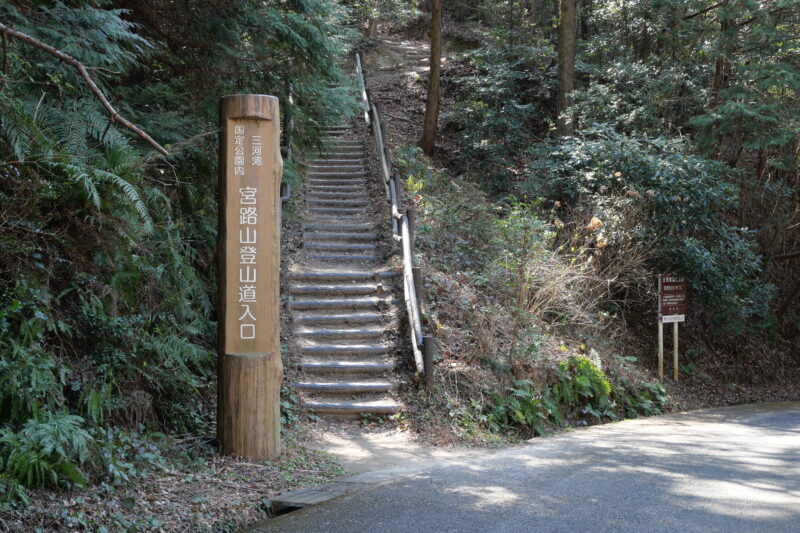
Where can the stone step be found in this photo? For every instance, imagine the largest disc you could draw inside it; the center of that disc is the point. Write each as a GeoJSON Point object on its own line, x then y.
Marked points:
{"type": "Point", "coordinates": [344, 387]}
{"type": "Point", "coordinates": [339, 247]}
{"type": "Point", "coordinates": [320, 276]}
{"type": "Point", "coordinates": [337, 318]}
{"type": "Point", "coordinates": [340, 333]}
{"type": "Point", "coordinates": [339, 227]}
{"type": "Point", "coordinates": [342, 236]}
{"type": "Point", "coordinates": [337, 202]}
{"type": "Point", "coordinates": [368, 302]}
{"type": "Point", "coordinates": [341, 290]}
{"type": "Point", "coordinates": [345, 367]}
{"type": "Point", "coordinates": [353, 408]}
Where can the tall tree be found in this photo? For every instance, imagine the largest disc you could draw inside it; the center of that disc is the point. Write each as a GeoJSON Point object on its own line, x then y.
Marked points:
{"type": "Point", "coordinates": [428, 140]}
{"type": "Point", "coordinates": [566, 65]}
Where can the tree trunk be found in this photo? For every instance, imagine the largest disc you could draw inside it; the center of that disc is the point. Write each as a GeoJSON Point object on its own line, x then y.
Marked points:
{"type": "Point", "coordinates": [566, 65]}
{"type": "Point", "coordinates": [722, 64]}
{"type": "Point", "coordinates": [428, 140]}
{"type": "Point", "coordinates": [586, 13]}
{"type": "Point", "coordinates": [372, 28]}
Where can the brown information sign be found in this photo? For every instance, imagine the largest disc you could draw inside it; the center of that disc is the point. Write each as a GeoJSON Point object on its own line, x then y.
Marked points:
{"type": "Point", "coordinates": [671, 298]}
{"type": "Point", "coordinates": [250, 369]}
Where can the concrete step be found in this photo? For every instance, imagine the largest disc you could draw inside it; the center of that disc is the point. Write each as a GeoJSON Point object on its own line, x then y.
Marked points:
{"type": "Point", "coordinates": [362, 289]}
{"type": "Point", "coordinates": [341, 152]}
{"type": "Point", "coordinates": [367, 302]}
{"type": "Point", "coordinates": [337, 174]}
{"type": "Point", "coordinates": [344, 387]}
{"type": "Point", "coordinates": [341, 258]}
{"type": "Point", "coordinates": [340, 333]}
{"type": "Point", "coordinates": [336, 202]}
{"type": "Point", "coordinates": [345, 367]}
{"type": "Point", "coordinates": [335, 194]}
{"type": "Point", "coordinates": [338, 189]}
{"type": "Point", "coordinates": [344, 349]}
{"type": "Point", "coordinates": [362, 276]}
{"type": "Point", "coordinates": [334, 161]}
{"type": "Point", "coordinates": [336, 211]}
{"type": "Point", "coordinates": [339, 246]}
{"type": "Point", "coordinates": [352, 228]}
{"type": "Point", "coordinates": [346, 184]}
{"type": "Point", "coordinates": [353, 408]}
{"type": "Point", "coordinates": [310, 319]}
{"type": "Point", "coordinates": [342, 236]}
{"type": "Point", "coordinates": [336, 141]}
{"type": "Point", "coordinates": [325, 167]}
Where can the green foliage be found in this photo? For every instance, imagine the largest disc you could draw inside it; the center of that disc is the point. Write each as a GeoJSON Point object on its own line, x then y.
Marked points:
{"type": "Point", "coordinates": [655, 192]}
{"type": "Point", "coordinates": [522, 407]}
{"type": "Point", "coordinates": [582, 385]}
{"type": "Point", "coordinates": [106, 250]}
{"type": "Point", "coordinates": [500, 109]}
{"type": "Point", "coordinates": [581, 393]}
{"type": "Point", "coordinates": [46, 451]}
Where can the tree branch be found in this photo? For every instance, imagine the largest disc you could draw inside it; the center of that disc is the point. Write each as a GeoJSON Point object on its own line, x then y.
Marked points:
{"type": "Point", "coordinates": [786, 256]}
{"type": "Point", "coordinates": [706, 10]}
{"type": "Point", "coordinates": [5, 54]}
{"type": "Point", "coordinates": [82, 70]}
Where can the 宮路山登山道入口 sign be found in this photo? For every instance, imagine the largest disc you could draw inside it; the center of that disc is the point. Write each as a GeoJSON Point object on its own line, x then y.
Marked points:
{"type": "Point", "coordinates": [250, 369]}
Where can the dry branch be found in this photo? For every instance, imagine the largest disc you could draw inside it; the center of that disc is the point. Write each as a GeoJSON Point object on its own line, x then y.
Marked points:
{"type": "Point", "coordinates": [83, 71]}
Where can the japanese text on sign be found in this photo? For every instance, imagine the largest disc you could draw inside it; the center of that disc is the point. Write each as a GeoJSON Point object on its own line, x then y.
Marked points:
{"type": "Point", "coordinates": [248, 235]}
{"type": "Point", "coordinates": [671, 298]}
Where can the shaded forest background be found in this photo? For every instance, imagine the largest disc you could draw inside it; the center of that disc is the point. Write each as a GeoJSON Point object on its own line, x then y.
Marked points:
{"type": "Point", "coordinates": [684, 158]}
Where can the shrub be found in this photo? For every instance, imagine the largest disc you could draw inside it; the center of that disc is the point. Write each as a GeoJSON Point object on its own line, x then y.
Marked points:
{"type": "Point", "coordinates": [654, 197]}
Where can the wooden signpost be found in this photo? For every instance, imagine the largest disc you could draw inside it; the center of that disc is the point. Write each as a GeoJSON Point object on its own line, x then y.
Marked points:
{"type": "Point", "coordinates": [671, 308]}
{"type": "Point", "coordinates": [248, 247]}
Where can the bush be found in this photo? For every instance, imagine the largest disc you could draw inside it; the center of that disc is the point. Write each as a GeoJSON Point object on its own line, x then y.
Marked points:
{"type": "Point", "coordinates": [45, 452]}
{"type": "Point", "coordinates": [653, 196]}
{"type": "Point", "coordinates": [581, 393]}
{"type": "Point", "coordinates": [501, 108]}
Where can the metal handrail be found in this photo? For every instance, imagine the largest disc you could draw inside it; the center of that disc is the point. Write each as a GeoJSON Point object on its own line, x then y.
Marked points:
{"type": "Point", "coordinates": [400, 229]}
{"type": "Point", "coordinates": [363, 83]}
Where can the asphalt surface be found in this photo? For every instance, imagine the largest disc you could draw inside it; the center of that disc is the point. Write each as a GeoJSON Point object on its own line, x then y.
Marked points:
{"type": "Point", "coordinates": [729, 470]}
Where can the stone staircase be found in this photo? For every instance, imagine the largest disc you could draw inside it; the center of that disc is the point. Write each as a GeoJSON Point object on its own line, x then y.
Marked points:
{"type": "Point", "coordinates": [414, 55]}
{"type": "Point", "coordinates": [343, 305]}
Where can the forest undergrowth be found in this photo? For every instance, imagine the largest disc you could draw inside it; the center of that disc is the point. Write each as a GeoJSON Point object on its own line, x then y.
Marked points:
{"type": "Point", "coordinates": [540, 254]}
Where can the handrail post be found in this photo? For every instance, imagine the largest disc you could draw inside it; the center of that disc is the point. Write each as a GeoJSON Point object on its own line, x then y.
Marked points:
{"type": "Point", "coordinates": [412, 218]}
{"type": "Point", "coordinates": [418, 285]}
{"type": "Point", "coordinates": [428, 348]}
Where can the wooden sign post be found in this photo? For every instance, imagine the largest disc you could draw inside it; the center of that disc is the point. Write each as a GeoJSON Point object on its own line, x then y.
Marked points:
{"type": "Point", "coordinates": [248, 247]}
{"type": "Point", "coordinates": [671, 308]}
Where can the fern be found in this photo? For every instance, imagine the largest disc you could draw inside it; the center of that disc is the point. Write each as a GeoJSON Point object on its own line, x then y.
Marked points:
{"type": "Point", "coordinates": [45, 452]}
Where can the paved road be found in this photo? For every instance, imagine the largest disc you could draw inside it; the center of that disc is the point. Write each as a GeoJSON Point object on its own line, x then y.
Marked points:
{"type": "Point", "coordinates": [728, 470]}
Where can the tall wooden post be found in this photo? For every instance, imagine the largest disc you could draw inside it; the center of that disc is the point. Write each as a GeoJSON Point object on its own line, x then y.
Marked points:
{"type": "Point", "coordinates": [248, 248]}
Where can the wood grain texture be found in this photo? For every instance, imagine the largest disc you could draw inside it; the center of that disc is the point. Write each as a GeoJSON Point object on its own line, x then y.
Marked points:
{"type": "Point", "coordinates": [249, 367]}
